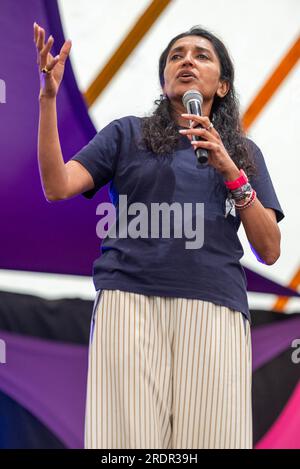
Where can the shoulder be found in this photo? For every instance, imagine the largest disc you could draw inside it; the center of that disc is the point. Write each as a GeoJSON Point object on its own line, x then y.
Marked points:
{"type": "Point", "coordinates": [256, 156]}
{"type": "Point", "coordinates": [253, 148]}
{"type": "Point", "coordinates": [117, 130]}
{"type": "Point", "coordinates": [127, 122]}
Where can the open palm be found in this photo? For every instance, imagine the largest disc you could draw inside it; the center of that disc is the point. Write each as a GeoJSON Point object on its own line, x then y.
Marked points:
{"type": "Point", "coordinates": [51, 81]}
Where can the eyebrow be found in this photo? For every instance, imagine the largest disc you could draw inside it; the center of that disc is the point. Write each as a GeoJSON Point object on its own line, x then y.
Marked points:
{"type": "Point", "coordinates": [198, 48]}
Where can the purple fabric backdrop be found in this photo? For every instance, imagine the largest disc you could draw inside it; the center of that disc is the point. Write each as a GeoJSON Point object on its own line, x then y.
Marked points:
{"type": "Point", "coordinates": [48, 379]}
{"type": "Point", "coordinates": [36, 235]}
{"type": "Point", "coordinates": [258, 283]}
{"type": "Point", "coordinates": [272, 339]}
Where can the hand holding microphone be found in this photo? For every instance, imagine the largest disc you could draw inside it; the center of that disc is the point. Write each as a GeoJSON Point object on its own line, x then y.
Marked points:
{"type": "Point", "coordinates": [192, 101]}
{"type": "Point", "coordinates": [207, 142]}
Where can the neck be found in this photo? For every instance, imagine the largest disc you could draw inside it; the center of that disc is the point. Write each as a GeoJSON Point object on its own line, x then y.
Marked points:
{"type": "Point", "coordinates": [177, 108]}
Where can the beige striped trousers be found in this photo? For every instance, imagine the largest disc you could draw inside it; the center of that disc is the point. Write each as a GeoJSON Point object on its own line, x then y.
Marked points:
{"type": "Point", "coordinates": [167, 373]}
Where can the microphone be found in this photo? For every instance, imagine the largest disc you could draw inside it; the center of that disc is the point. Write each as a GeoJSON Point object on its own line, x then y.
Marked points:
{"type": "Point", "coordinates": [192, 101]}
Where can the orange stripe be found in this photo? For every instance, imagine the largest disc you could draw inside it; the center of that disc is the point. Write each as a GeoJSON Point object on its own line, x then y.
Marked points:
{"type": "Point", "coordinates": [272, 84]}
{"type": "Point", "coordinates": [139, 30]}
{"type": "Point", "coordinates": [263, 97]}
{"type": "Point", "coordinates": [282, 300]}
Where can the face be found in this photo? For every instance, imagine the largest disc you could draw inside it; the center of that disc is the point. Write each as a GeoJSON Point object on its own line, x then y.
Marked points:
{"type": "Point", "coordinates": [192, 63]}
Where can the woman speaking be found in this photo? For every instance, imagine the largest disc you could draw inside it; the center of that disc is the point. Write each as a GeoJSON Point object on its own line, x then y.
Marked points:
{"type": "Point", "coordinates": [170, 345]}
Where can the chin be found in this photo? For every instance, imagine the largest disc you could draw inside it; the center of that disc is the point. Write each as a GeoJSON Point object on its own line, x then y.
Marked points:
{"type": "Point", "coordinates": [180, 90]}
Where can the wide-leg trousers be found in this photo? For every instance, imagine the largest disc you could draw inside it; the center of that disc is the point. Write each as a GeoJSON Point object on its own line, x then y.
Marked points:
{"type": "Point", "coordinates": [167, 373]}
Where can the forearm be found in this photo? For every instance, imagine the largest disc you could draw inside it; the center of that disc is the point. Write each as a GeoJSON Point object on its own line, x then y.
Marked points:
{"type": "Point", "coordinates": [51, 164]}
{"type": "Point", "coordinates": [261, 228]}
{"type": "Point", "coordinates": [262, 231]}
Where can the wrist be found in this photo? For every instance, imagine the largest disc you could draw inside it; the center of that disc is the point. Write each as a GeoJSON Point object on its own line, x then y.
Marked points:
{"type": "Point", "coordinates": [231, 174]}
{"type": "Point", "coordinates": [44, 98]}
{"type": "Point", "coordinates": [247, 202]}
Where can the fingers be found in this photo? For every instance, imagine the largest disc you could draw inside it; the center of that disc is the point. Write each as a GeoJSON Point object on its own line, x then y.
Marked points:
{"type": "Point", "coordinates": [207, 134]}
{"type": "Point", "coordinates": [35, 32]}
{"type": "Point", "coordinates": [44, 57]}
{"type": "Point", "coordinates": [44, 54]}
{"type": "Point", "coordinates": [203, 120]}
{"type": "Point", "coordinates": [43, 50]}
{"type": "Point", "coordinates": [214, 147]}
{"type": "Point", "coordinates": [52, 63]}
{"type": "Point", "coordinates": [195, 117]}
{"type": "Point", "coordinates": [65, 51]}
{"type": "Point", "coordinates": [40, 39]}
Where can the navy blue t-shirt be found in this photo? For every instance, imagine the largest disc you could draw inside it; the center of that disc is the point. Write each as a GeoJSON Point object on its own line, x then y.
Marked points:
{"type": "Point", "coordinates": [160, 265]}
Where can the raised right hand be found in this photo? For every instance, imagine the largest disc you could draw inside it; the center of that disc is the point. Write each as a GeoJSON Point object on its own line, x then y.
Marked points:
{"type": "Point", "coordinates": [50, 82]}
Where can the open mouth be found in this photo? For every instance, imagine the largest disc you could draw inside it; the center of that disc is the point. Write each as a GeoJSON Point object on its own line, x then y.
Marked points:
{"type": "Point", "coordinates": [186, 76]}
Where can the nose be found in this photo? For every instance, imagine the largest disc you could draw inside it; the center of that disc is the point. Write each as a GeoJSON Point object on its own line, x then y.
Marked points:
{"type": "Point", "coordinates": [188, 59]}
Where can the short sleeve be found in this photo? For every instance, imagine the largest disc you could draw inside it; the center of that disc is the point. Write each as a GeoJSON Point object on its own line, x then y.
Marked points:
{"type": "Point", "coordinates": [262, 182]}
{"type": "Point", "coordinates": [100, 156]}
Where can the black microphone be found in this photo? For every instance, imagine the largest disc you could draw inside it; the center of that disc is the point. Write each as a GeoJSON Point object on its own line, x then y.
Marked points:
{"type": "Point", "coordinates": [192, 101]}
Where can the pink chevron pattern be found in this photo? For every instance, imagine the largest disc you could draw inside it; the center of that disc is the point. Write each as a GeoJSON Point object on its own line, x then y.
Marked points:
{"type": "Point", "coordinates": [285, 432]}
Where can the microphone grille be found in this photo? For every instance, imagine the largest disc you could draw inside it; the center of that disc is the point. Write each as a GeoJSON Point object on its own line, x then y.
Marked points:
{"type": "Point", "coordinates": [191, 94]}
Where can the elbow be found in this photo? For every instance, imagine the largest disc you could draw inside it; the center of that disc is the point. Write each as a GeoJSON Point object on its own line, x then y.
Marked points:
{"type": "Point", "coordinates": [50, 197]}
{"type": "Point", "coordinates": [270, 260]}
{"type": "Point", "coordinates": [273, 253]}
{"type": "Point", "coordinates": [55, 194]}
{"type": "Point", "coordinates": [272, 257]}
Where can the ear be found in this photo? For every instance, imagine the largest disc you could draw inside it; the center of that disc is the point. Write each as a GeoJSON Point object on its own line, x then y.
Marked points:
{"type": "Point", "coordinates": [223, 88]}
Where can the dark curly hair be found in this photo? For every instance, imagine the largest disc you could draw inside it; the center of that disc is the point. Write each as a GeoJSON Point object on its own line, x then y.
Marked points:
{"type": "Point", "coordinates": [160, 131]}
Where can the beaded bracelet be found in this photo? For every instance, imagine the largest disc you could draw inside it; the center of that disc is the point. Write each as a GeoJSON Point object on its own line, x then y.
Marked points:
{"type": "Point", "coordinates": [242, 192]}
{"type": "Point", "coordinates": [248, 203]}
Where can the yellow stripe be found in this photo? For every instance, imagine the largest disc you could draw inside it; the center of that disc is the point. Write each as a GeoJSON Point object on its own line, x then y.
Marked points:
{"type": "Point", "coordinates": [260, 101]}
{"type": "Point", "coordinates": [136, 34]}
{"type": "Point", "coordinates": [272, 84]}
{"type": "Point", "coordinates": [282, 301]}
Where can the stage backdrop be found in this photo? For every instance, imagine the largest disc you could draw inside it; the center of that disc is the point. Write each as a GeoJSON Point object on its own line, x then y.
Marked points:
{"type": "Point", "coordinates": [43, 382]}
{"type": "Point", "coordinates": [36, 235]}
{"type": "Point", "coordinates": [43, 366]}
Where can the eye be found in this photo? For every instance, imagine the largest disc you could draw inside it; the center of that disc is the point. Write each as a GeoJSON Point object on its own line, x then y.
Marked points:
{"type": "Point", "coordinates": [203, 56]}
{"type": "Point", "coordinates": [175, 56]}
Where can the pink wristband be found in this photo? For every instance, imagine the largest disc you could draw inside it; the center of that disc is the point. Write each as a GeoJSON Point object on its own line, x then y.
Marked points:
{"type": "Point", "coordinates": [239, 182]}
